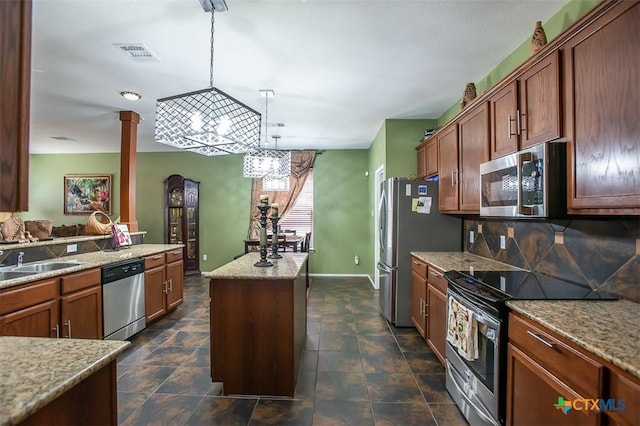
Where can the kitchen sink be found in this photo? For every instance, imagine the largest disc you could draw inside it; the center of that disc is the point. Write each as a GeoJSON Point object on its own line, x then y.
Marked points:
{"type": "Point", "coordinates": [11, 275]}
{"type": "Point", "coordinates": [36, 268]}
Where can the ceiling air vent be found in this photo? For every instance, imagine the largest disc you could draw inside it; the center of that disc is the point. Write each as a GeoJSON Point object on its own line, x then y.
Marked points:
{"type": "Point", "coordinates": [138, 52]}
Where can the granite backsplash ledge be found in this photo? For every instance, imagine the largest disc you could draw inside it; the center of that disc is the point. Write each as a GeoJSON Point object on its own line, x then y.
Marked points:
{"type": "Point", "coordinates": [602, 253]}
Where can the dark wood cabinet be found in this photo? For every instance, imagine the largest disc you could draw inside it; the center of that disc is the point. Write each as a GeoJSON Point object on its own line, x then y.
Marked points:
{"type": "Point", "coordinates": [419, 295]}
{"type": "Point", "coordinates": [66, 306]}
{"type": "Point", "coordinates": [81, 314]}
{"type": "Point", "coordinates": [601, 85]}
{"type": "Point", "coordinates": [427, 155]}
{"type": "Point", "coordinates": [436, 309]}
{"type": "Point", "coordinates": [15, 73]}
{"type": "Point", "coordinates": [448, 168]}
{"type": "Point", "coordinates": [474, 150]}
{"type": "Point", "coordinates": [182, 222]}
{"type": "Point", "coordinates": [164, 284]}
{"type": "Point", "coordinates": [539, 102]}
{"type": "Point", "coordinates": [505, 121]}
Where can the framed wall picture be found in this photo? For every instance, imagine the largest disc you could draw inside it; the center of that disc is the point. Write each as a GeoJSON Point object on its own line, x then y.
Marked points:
{"type": "Point", "coordinates": [84, 194]}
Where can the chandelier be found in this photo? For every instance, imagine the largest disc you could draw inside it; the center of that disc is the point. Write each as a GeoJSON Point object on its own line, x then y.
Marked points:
{"type": "Point", "coordinates": [208, 121]}
{"type": "Point", "coordinates": [272, 165]}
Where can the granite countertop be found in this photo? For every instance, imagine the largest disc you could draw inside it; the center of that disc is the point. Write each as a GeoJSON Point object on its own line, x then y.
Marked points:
{"type": "Point", "coordinates": [93, 260]}
{"type": "Point", "coordinates": [36, 370]}
{"type": "Point", "coordinates": [243, 268]}
{"type": "Point", "coordinates": [460, 261]}
{"type": "Point", "coordinates": [607, 328]}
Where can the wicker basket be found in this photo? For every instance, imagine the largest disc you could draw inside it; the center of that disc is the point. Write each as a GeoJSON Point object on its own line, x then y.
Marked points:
{"type": "Point", "coordinates": [97, 226]}
{"type": "Point", "coordinates": [39, 228]}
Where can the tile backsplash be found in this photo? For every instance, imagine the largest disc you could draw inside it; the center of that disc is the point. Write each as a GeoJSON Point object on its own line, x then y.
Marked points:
{"type": "Point", "coordinates": [603, 253]}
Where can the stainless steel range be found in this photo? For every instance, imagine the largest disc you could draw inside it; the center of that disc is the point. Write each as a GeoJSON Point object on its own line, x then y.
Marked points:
{"type": "Point", "coordinates": [476, 379]}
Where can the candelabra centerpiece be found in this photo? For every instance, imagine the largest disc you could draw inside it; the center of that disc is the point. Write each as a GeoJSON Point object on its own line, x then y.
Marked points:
{"type": "Point", "coordinates": [274, 223]}
{"type": "Point", "coordinates": [263, 207]}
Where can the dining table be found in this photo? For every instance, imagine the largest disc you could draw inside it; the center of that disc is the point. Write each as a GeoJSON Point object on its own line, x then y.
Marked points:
{"type": "Point", "coordinates": [292, 241]}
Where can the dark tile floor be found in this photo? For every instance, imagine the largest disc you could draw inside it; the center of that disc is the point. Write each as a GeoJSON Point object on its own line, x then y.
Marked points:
{"type": "Point", "coordinates": [356, 369]}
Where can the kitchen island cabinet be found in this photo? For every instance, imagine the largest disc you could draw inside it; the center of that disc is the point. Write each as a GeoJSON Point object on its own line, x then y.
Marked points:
{"type": "Point", "coordinates": [258, 324]}
{"type": "Point", "coordinates": [58, 381]}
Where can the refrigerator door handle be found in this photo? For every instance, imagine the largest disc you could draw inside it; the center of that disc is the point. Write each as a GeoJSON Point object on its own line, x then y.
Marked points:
{"type": "Point", "coordinates": [384, 268]}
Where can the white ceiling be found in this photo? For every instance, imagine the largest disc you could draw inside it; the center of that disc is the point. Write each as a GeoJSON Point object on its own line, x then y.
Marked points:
{"type": "Point", "coordinates": [338, 67]}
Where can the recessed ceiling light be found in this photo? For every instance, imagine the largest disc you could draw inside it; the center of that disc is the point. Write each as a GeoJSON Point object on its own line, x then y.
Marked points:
{"type": "Point", "coordinates": [132, 96]}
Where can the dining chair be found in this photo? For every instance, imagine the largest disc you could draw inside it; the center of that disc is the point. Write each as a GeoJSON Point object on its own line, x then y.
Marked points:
{"type": "Point", "coordinates": [306, 242]}
{"type": "Point", "coordinates": [288, 231]}
{"type": "Point", "coordinates": [251, 245]}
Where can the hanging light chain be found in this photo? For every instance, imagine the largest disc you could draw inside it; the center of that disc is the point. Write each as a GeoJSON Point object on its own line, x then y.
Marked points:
{"type": "Point", "coordinates": [211, 58]}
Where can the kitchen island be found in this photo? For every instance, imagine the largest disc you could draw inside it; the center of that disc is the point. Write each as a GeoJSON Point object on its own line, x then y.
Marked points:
{"type": "Point", "coordinates": [258, 324]}
{"type": "Point", "coordinates": [58, 381]}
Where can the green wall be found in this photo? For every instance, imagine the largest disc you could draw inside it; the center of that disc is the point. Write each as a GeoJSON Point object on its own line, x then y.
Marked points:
{"type": "Point", "coordinates": [341, 201]}
{"type": "Point", "coordinates": [402, 138]}
{"type": "Point", "coordinates": [559, 22]}
{"type": "Point", "coordinates": [340, 217]}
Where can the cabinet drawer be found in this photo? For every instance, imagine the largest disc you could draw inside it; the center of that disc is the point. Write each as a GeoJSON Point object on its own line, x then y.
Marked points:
{"type": "Point", "coordinates": [436, 278]}
{"type": "Point", "coordinates": [173, 255]}
{"type": "Point", "coordinates": [80, 280]}
{"type": "Point", "coordinates": [154, 261]}
{"type": "Point", "coordinates": [568, 364]}
{"type": "Point", "coordinates": [419, 267]}
{"type": "Point", "coordinates": [27, 295]}
{"type": "Point", "coordinates": [628, 388]}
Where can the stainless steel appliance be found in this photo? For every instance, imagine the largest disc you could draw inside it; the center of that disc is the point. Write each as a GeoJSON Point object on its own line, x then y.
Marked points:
{"type": "Point", "coordinates": [409, 221]}
{"type": "Point", "coordinates": [529, 183]}
{"type": "Point", "coordinates": [478, 386]}
{"type": "Point", "coordinates": [123, 299]}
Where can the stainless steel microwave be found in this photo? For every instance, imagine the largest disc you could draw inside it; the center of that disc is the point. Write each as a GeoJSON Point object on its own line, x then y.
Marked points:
{"type": "Point", "coordinates": [527, 184]}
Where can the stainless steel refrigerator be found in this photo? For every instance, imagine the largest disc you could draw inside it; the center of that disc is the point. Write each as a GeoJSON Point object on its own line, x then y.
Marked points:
{"type": "Point", "coordinates": [409, 221]}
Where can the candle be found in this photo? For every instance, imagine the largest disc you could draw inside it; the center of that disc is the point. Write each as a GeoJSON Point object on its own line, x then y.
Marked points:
{"type": "Point", "coordinates": [264, 199]}
{"type": "Point", "coordinates": [274, 209]}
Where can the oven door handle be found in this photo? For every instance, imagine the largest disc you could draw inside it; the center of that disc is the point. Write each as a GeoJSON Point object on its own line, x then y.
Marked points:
{"type": "Point", "coordinates": [481, 317]}
{"type": "Point", "coordinates": [478, 410]}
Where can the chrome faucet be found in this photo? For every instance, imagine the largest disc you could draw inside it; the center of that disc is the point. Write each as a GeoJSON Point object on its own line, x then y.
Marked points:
{"type": "Point", "coordinates": [20, 256]}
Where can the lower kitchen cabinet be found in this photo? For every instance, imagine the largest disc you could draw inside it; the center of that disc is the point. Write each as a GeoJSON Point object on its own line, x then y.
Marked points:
{"type": "Point", "coordinates": [419, 295]}
{"type": "Point", "coordinates": [436, 309]}
{"type": "Point", "coordinates": [67, 306]}
{"type": "Point", "coordinates": [541, 368]}
{"type": "Point", "coordinates": [164, 284]}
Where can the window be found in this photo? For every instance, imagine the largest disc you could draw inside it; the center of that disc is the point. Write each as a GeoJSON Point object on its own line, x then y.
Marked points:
{"type": "Point", "coordinates": [300, 217]}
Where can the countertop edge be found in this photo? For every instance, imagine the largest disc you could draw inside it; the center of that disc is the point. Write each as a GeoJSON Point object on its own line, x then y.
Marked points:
{"type": "Point", "coordinates": [56, 390]}
{"type": "Point", "coordinates": [243, 268]}
{"type": "Point", "coordinates": [588, 347]}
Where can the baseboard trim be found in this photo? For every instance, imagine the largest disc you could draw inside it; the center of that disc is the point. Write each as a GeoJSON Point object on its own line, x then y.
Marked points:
{"type": "Point", "coordinates": [346, 275]}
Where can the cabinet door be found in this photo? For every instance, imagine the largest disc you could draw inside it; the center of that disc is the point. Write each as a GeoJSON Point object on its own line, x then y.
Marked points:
{"type": "Point", "coordinates": [154, 293]}
{"type": "Point", "coordinates": [504, 122]}
{"type": "Point", "coordinates": [474, 149]}
{"type": "Point", "coordinates": [422, 160]}
{"type": "Point", "coordinates": [540, 102]}
{"type": "Point", "coordinates": [437, 321]}
{"type": "Point", "coordinates": [81, 314]}
{"type": "Point", "coordinates": [532, 392]}
{"type": "Point", "coordinates": [448, 168]}
{"type": "Point", "coordinates": [418, 302]}
{"type": "Point", "coordinates": [35, 321]}
{"type": "Point", "coordinates": [175, 290]}
{"type": "Point", "coordinates": [602, 110]}
{"type": "Point", "coordinates": [15, 69]}
{"type": "Point", "coordinates": [431, 154]}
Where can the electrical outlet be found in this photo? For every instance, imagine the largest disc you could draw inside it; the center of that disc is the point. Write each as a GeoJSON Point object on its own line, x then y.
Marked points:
{"type": "Point", "coordinates": [471, 237]}
{"type": "Point", "coordinates": [503, 242]}
{"type": "Point", "coordinates": [356, 260]}
{"type": "Point", "coordinates": [72, 248]}
{"type": "Point", "coordinates": [204, 257]}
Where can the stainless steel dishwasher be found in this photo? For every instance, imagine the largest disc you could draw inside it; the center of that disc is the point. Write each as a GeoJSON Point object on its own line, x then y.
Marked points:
{"type": "Point", "coordinates": [123, 299]}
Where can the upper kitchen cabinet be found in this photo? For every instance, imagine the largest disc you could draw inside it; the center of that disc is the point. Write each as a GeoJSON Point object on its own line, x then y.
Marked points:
{"type": "Point", "coordinates": [15, 79]}
{"type": "Point", "coordinates": [463, 145]}
{"type": "Point", "coordinates": [600, 66]}
{"type": "Point", "coordinates": [527, 110]}
{"type": "Point", "coordinates": [427, 158]}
